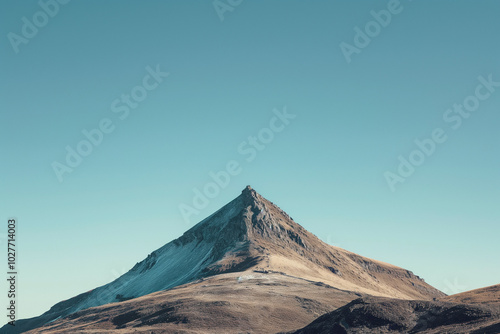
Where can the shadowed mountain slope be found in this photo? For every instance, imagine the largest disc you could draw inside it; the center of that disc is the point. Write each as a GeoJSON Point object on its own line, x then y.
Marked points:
{"type": "Point", "coordinates": [383, 315]}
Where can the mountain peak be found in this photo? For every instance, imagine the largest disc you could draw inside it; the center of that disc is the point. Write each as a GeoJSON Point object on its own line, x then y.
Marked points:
{"type": "Point", "coordinates": [249, 192]}
{"type": "Point", "coordinates": [250, 197]}
{"type": "Point", "coordinates": [247, 189]}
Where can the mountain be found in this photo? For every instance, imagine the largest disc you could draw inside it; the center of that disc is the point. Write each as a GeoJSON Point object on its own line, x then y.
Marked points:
{"type": "Point", "coordinates": [471, 312]}
{"type": "Point", "coordinates": [247, 236]}
{"type": "Point", "coordinates": [490, 294]}
{"type": "Point", "coordinates": [387, 315]}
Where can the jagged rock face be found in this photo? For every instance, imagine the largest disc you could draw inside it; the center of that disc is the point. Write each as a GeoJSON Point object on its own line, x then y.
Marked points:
{"type": "Point", "coordinates": [248, 234]}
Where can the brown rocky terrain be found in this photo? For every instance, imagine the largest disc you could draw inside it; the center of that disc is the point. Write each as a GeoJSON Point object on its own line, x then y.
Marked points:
{"type": "Point", "coordinates": [387, 315]}
{"type": "Point", "coordinates": [249, 302]}
{"type": "Point", "coordinates": [476, 311]}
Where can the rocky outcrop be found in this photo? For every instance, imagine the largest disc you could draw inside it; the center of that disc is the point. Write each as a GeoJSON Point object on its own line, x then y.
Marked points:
{"type": "Point", "coordinates": [383, 315]}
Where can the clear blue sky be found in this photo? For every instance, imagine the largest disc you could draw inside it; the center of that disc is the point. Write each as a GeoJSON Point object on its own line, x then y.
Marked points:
{"type": "Point", "coordinates": [326, 168]}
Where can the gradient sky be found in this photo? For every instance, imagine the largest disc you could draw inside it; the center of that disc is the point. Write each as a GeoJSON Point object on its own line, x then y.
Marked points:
{"type": "Point", "coordinates": [326, 168]}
